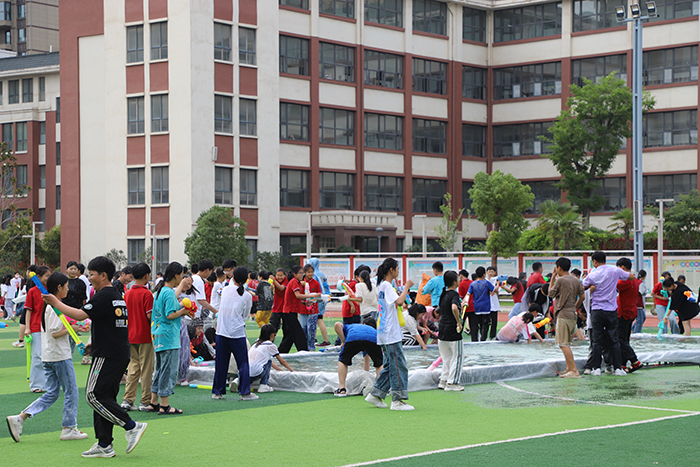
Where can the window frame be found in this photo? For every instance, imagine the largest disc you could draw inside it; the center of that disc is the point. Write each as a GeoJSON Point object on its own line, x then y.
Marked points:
{"type": "Point", "coordinates": [223, 114]}
{"type": "Point", "coordinates": [300, 4]}
{"type": "Point", "coordinates": [379, 13]}
{"type": "Point", "coordinates": [382, 77]}
{"type": "Point", "coordinates": [22, 136]}
{"type": "Point", "coordinates": [221, 50]}
{"type": "Point", "coordinates": [668, 10]}
{"type": "Point", "coordinates": [384, 194]}
{"type": "Point", "coordinates": [246, 46]}
{"type": "Point", "coordinates": [342, 135]}
{"type": "Point", "coordinates": [247, 126]}
{"type": "Point", "coordinates": [159, 40]}
{"type": "Point", "coordinates": [669, 131]}
{"type": "Point", "coordinates": [381, 135]}
{"type": "Point", "coordinates": [540, 189]}
{"type": "Point", "coordinates": [336, 62]}
{"type": "Point", "coordinates": [287, 62]}
{"type": "Point", "coordinates": [424, 78]}
{"type": "Point", "coordinates": [13, 91]}
{"type": "Point", "coordinates": [303, 126]}
{"type": "Point", "coordinates": [27, 90]}
{"type": "Point", "coordinates": [159, 119]}
{"type": "Point", "coordinates": [470, 129]}
{"type": "Point", "coordinates": [42, 90]}
{"type": "Point", "coordinates": [519, 15]}
{"type": "Point", "coordinates": [473, 32]}
{"type": "Point", "coordinates": [669, 72]}
{"type": "Point", "coordinates": [424, 19]}
{"type": "Point", "coordinates": [134, 44]}
{"type": "Point", "coordinates": [422, 142]}
{"type": "Point", "coordinates": [650, 197]}
{"type": "Point", "coordinates": [303, 191]}
{"type": "Point", "coordinates": [603, 16]}
{"type": "Point", "coordinates": [473, 89]}
{"type": "Point", "coordinates": [136, 193]}
{"type": "Point", "coordinates": [534, 78]}
{"type": "Point", "coordinates": [335, 193]}
{"type": "Point", "coordinates": [160, 184]}
{"type": "Point", "coordinates": [248, 195]}
{"type": "Point", "coordinates": [538, 129]}
{"type": "Point", "coordinates": [621, 197]}
{"type": "Point", "coordinates": [428, 197]}
{"type": "Point", "coordinates": [136, 123]}
{"type": "Point", "coordinates": [223, 185]}
{"type": "Point", "coordinates": [340, 8]}
{"type": "Point", "coordinates": [602, 61]}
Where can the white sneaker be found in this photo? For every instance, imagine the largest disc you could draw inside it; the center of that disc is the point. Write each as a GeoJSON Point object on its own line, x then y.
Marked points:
{"type": "Point", "coordinates": [144, 407]}
{"type": "Point", "coordinates": [184, 383]}
{"type": "Point", "coordinates": [14, 424]}
{"type": "Point", "coordinates": [620, 372]}
{"type": "Point", "coordinates": [133, 436]}
{"type": "Point", "coordinates": [72, 433]}
{"type": "Point", "coordinates": [595, 372]}
{"type": "Point", "coordinates": [265, 388]}
{"type": "Point", "coordinates": [587, 371]}
{"type": "Point", "coordinates": [442, 384]}
{"type": "Point", "coordinates": [128, 406]}
{"type": "Point", "coordinates": [217, 396]}
{"type": "Point", "coordinates": [98, 451]}
{"type": "Point", "coordinates": [374, 400]}
{"type": "Point", "coordinates": [454, 387]}
{"type": "Point", "coordinates": [250, 397]}
{"type": "Point", "coordinates": [234, 386]}
{"type": "Point", "coordinates": [18, 344]}
{"type": "Point", "coordinates": [401, 405]}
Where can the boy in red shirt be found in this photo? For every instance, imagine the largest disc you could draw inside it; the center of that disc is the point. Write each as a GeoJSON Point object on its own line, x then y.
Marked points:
{"type": "Point", "coordinates": [279, 286]}
{"type": "Point", "coordinates": [139, 304]}
{"type": "Point", "coordinates": [308, 316]}
{"type": "Point", "coordinates": [34, 309]}
{"type": "Point", "coordinates": [536, 276]}
{"type": "Point", "coordinates": [626, 314]}
{"type": "Point", "coordinates": [293, 305]}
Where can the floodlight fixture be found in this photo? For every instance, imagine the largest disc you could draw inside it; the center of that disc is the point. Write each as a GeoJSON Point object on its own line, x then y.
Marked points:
{"type": "Point", "coordinates": [651, 9]}
{"type": "Point", "coordinates": [620, 12]}
{"type": "Point", "coordinates": [635, 10]}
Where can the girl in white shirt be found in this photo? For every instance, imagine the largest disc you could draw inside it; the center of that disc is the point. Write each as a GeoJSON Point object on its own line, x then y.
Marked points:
{"type": "Point", "coordinates": [366, 295]}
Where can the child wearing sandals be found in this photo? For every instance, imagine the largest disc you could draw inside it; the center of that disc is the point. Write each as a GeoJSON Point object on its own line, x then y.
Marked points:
{"type": "Point", "coordinates": [58, 367]}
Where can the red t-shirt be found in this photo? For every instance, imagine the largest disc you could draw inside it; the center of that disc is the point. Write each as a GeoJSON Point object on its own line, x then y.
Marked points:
{"type": "Point", "coordinates": [278, 303]}
{"type": "Point", "coordinates": [627, 299]}
{"type": "Point", "coordinates": [535, 278]}
{"type": "Point", "coordinates": [253, 285]}
{"type": "Point", "coordinates": [35, 303]}
{"type": "Point", "coordinates": [207, 291]}
{"type": "Point", "coordinates": [139, 302]}
{"type": "Point", "coordinates": [462, 291]}
{"type": "Point", "coordinates": [291, 303]}
{"type": "Point", "coordinates": [311, 308]}
{"type": "Point", "coordinates": [519, 292]}
{"type": "Point", "coordinates": [656, 291]}
{"type": "Point", "coordinates": [350, 309]}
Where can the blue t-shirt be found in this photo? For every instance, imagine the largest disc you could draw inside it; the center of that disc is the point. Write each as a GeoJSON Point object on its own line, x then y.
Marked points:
{"type": "Point", "coordinates": [166, 332]}
{"type": "Point", "coordinates": [435, 287]}
{"type": "Point", "coordinates": [359, 332]}
{"type": "Point", "coordinates": [481, 290]}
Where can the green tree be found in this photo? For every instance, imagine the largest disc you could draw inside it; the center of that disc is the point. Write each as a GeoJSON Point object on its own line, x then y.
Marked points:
{"type": "Point", "coordinates": [500, 200]}
{"type": "Point", "coordinates": [219, 235]}
{"type": "Point", "coordinates": [14, 246]}
{"type": "Point", "coordinates": [268, 261]}
{"type": "Point", "coordinates": [561, 223]}
{"type": "Point", "coordinates": [534, 240]}
{"type": "Point", "coordinates": [118, 257]}
{"type": "Point", "coordinates": [15, 223]}
{"type": "Point", "coordinates": [682, 222]}
{"type": "Point", "coordinates": [49, 248]}
{"type": "Point", "coordinates": [624, 224]}
{"type": "Point", "coordinates": [448, 229]}
{"type": "Point", "coordinates": [587, 137]}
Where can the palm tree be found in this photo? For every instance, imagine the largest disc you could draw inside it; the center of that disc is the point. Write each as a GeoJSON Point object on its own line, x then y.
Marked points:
{"type": "Point", "coordinates": [561, 223]}
{"type": "Point", "coordinates": [624, 223]}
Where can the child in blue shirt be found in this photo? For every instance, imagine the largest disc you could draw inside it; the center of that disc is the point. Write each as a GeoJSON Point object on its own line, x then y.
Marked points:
{"type": "Point", "coordinates": [481, 289]}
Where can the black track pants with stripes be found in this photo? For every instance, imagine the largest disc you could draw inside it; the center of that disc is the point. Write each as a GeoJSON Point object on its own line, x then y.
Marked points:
{"type": "Point", "coordinates": [101, 393]}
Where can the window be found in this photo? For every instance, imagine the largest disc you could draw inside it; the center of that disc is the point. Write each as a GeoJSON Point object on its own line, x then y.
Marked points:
{"type": "Point", "coordinates": [383, 193]}
{"type": "Point", "coordinates": [8, 37]}
{"type": "Point", "coordinates": [594, 14]}
{"type": "Point", "coordinates": [473, 140]}
{"type": "Point", "coordinates": [294, 122]}
{"type": "Point", "coordinates": [527, 81]}
{"type": "Point", "coordinates": [7, 11]}
{"type": "Point", "coordinates": [159, 41]}
{"type": "Point", "coordinates": [679, 128]}
{"type": "Point", "coordinates": [596, 68]}
{"type": "Point", "coordinates": [337, 62]}
{"type": "Point", "coordinates": [473, 25]}
{"type": "Point", "coordinates": [294, 188]}
{"type": "Point", "coordinates": [162, 253]}
{"type": "Point", "coordinates": [135, 250]}
{"type": "Point", "coordinates": [527, 22]}
{"type": "Point", "coordinates": [246, 46]}
{"type": "Point", "coordinates": [383, 69]}
{"type": "Point", "coordinates": [383, 131]}
{"type": "Point", "coordinates": [291, 243]}
{"type": "Point", "coordinates": [1, 92]}
{"type": "Point", "coordinates": [344, 8]}
{"type": "Point", "coordinates": [429, 136]}
{"type": "Point", "coordinates": [223, 114]}
{"type": "Point", "coordinates": [21, 180]}
{"type": "Point", "coordinates": [42, 218]}
{"type": "Point", "coordinates": [222, 42]}
{"type": "Point", "coordinates": [668, 187]}
{"type": "Point", "coordinates": [520, 140]}
{"type": "Point", "coordinates": [7, 181]}
{"type": "Point", "coordinates": [160, 185]}
{"type": "Point", "coordinates": [543, 191]}
{"type": "Point", "coordinates": [223, 185]}
{"type": "Point", "coordinates": [58, 153]}
{"type": "Point", "coordinates": [337, 190]}
{"type": "Point", "coordinates": [21, 35]}
{"type": "Point", "coordinates": [6, 218]}
{"type": "Point", "coordinates": [466, 199]}
{"type": "Point", "coordinates": [159, 113]}
{"type": "Point", "coordinates": [389, 12]}
{"type": "Point", "coordinates": [428, 195]}
{"type": "Point", "coordinates": [42, 132]}
{"type": "Point", "coordinates": [42, 90]}
{"type": "Point", "coordinates": [136, 116]}
{"type": "Point", "coordinates": [301, 4]}
{"type": "Point", "coordinates": [13, 91]}
{"type": "Point", "coordinates": [8, 134]}
{"type": "Point", "coordinates": [614, 190]}
{"type": "Point", "coordinates": [42, 176]}
{"type": "Point", "coordinates": [675, 9]}
{"type": "Point", "coordinates": [294, 55]}
{"type": "Point", "coordinates": [137, 186]}
{"type": "Point", "coordinates": [474, 83]}
{"type": "Point", "coordinates": [28, 90]}
{"type": "Point", "coordinates": [21, 11]}
{"type": "Point", "coordinates": [58, 110]}
{"type": "Point", "coordinates": [429, 76]}
{"type": "Point", "coordinates": [249, 187]}
{"type": "Point", "coordinates": [430, 16]}
{"type": "Point", "coordinates": [247, 117]}
{"type": "Point", "coordinates": [337, 126]}
{"type": "Point", "coordinates": [678, 65]}
{"type": "Point", "coordinates": [22, 137]}
{"type": "Point", "coordinates": [58, 197]}
{"type": "Point", "coordinates": [253, 247]}
{"type": "Point", "coordinates": [134, 44]}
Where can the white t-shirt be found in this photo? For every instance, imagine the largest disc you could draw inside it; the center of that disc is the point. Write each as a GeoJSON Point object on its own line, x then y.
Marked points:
{"type": "Point", "coordinates": [198, 284]}
{"type": "Point", "coordinates": [88, 286]}
{"type": "Point", "coordinates": [259, 355]}
{"type": "Point", "coordinates": [233, 311]}
{"type": "Point", "coordinates": [369, 299]}
{"type": "Point", "coordinates": [495, 302]}
{"type": "Point", "coordinates": [411, 327]}
{"type": "Point", "coordinates": [388, 329]}
{"type": "Point", "coordinates": [52, 349]}
{"type": "Point", "coordinates": [216, 294]}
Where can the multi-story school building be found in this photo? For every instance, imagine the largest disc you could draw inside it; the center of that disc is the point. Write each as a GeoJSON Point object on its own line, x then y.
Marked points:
{"type": "Point", "coordinates": [363, 112]}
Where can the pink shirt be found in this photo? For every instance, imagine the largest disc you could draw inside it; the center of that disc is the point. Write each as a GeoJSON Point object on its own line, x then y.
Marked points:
{"type": "Point", "coordinates": [512, 329]}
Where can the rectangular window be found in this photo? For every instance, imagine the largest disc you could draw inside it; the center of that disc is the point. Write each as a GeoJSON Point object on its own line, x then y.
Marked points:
{"type": "Point", "coordinates": [162, 253]}
{"type": "Point", "coordinates": [383, 69]}
{"type": "Point", "coordinates": [22, 35]}
{"type": "Point", "coordinates": [58, 197]}
{"type": "Point", "coordinates": [337, 62]}
{"type": "Point", "coordinates": [21, 180]}
{"type": "Point", "coordinates": [679, 65]}
{"type": "Point", "coordinates": [294, 122]}
{"type": "Point", "coordinates": [222, 42]}
{"type": "Point", "coordinates": [134, 44]}
{"type": "Point", "coordinates": [1, 86]}
{"type": "Point", "coordinates": [474, 83]}
{"type": "Point", "coordinates": [42, 90]}
{"type": "Point", "coordinates": [160, 185]}
{"type": "Point", "coordinates": [429, 136]}
{"type": "Point", "coordinates": [42, 132]}
{"type": "Point", "coordinates": [383, 193]}
{"type": "Point", "coordinates": [247, 117]}
{"type": "Point", "coordinates": [337, 126]}
{"type": "Point", "coordinates": [596, 68]}
{"type": "Point", "coordinates": [223, 185]}
{"type": "Point", "coordinates": [6, 218]}
{"type": "Point", "coordinates": [430, 16]}
{"type": "Point", "coordinates": [527, 81]}
{"type": "Point", "coordinates": [473, 25]}
{"type": "Point", "coordinates": [8, 136]}
{"type": "Point", "coordinates": [135, 250]}
{"type": "Point", "coordinates": [473, 140]}
{"type": "Point", "coordinates": [614, 190]}
{"type": "Point", "coordinates": [520, 140]}
{"type": "Point", "coordinates": [294, 188]}
{"type": "Point", "coordinates": [675, 9]}
{"type": "Point", "coordinates": [58, 110]}
{"type": "Point", "coordinates": [343, 8]}
{"type": "Point", "coordinates": [543, 191]}
{"type": "Point", "coordinates": [13, 91]}
{"type": "Point", "coordinates": [137, 186]}
{"type": "Point", "coordinates": [679, 128]}
{"type": "Point", "coordinates": [389, 12]}
{"type": "Point", "coordinates": [668, 187]}
{"type": "Point", "coordinates": [301, 4]}
{"type": "Point", "coordinates": [337, 190]}
{"type": "Point", "coordinates": [249, 187]}
{"type": "Point", "coordinates": [58, 153]}
{"type": "Point", "coordinates": [159, 41]}
{"type": "Point", "coordinates": [527, 22]}
{"type": "Point", "coordinates": [223, 114]}
{"type": "Point", "coordinates": [294, 55]}
{"type": "Point", "coordinates": [136, 123]}
{"type": "Point", "coordinates": [429, 76]}
{"type": "Point", "coordinates": [42, 218]}
{"type": "Point", "coordinates": [246, 46]}
{"type": "Point", "coordinates": [42, 176]}
{"type": "Point", "coordinates": [21, 11]}
{"type": "Point", "coordinates": [7, 181]}
{"type": "Point", "coordinates": [8, 37]}
{"type": "Point", "coordinates": [428, 195]}
{"type": "Point", "coordinates": [383, 131]}
{"type": "Point", "coordinates": [7, 11]}
{"type": "Point", "coordinates": [466, 199]}
{"type": "Point", "coordinates": [28, 90]}
{"type": "Point", "coordinates": [159, 113]}
{"type": "Point", "coordinates": [595, 14]}
{"type": "Point", "coordinates": [22, 137]}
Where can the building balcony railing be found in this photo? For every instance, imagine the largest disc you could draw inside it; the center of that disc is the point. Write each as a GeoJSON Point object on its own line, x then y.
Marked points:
{"type": "Point", "coordinates": [353, 219]}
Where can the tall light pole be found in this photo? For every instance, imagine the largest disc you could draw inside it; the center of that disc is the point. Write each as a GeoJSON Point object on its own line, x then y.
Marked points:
{"type": "Point", "coordinates": [425, 239]}
{"type": "Point", "coordinates": [637, 96]}
{"type": "Point", "coordinates": [379, 231]}
{"type": "Point", "coordinates": [660, 236]}
{"type": "Point", "coordinates": [153, 247]}
{"type": "Point", "coordinates": [32, 251]}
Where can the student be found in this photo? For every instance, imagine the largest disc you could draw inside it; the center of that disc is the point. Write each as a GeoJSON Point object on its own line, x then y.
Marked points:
{"type": "Point", "coordinates": [294, 294]}
{"type": "Point", "coordinates": [280, 286]}
{"type": "Point", "coordinates": [536, 276]}
{"type": "Point", "coordinates": [260, 358]}
{"type": "Point", "coordinates": [231, 338]}
{"type": "Point", "coordinates": [265, 299]}
{"type": "Point", "coordinates": [228, 266]}
{"type": "Point", "coordinates": [23, 315]}
{"type": "Point", "coordinates": [209, 285]}
{"type": "Point", "coordinates": [89, 290]}
{"type": "Point", "coordinates": [661, 302]}
{"type": "Point", "coordinates": [217, 287]}
{"type": "Point", "coordinates": [186, 289]}
{"type": "Point", "coordinates": [326, 290]}
{"type": "Point", "coordinates": [394, 375]}
{"type": "Point", "coordinates": [681, 304]}
{"type": "Point", "coordinates": [9, 293]}
{"type": "Point", "coordinates": [366, 296]}
{"type": "Point", "coordinates": [435, 285]}
{"type": "Point", "coordinates": [641, 302]}
{"type": "Point", "coordinates": [628, 292]}
{"type": "Point", "coordinates": [491, 276]}
{"type": "Point", "coordinates": [356, 338]}
{"type": "Point", "coordinates": [516, 289]}
{"type": "Point", "coordinates": [308, 312]}
{"type": "Point", "coordinates": [251, 286]}
{"type": "Point", "coordinates": [125, 276]}
{"type": "Point", "coordinates": [568, 293]}
{"type": "Point", "coordinates": [411, 336]}
{"type": "Point", "coordinates": [205, 267]}
{"type": "Point", "coordinates": [468, 315]}
{"type": "Point", "coordinates": [110, 357]}
{"type": "Point", "coordinates": [58, 366]}
{"type": "Point", "coordinates": [481, 290]}
{"type": "Point", "coordinates": [350, 310]}
{"type": "Point", "coordinates": [511, 331]}
{"type": "Point", "coordinates": [139, 302]}
{"type": "Point", "coordinates": [681, 279]}
{"type": "Point", "coordinates": [77, 292]}
{"type": "Point", "coordinates": [450, 335]}
{"type": "Point", "coordinates": [34, 310]}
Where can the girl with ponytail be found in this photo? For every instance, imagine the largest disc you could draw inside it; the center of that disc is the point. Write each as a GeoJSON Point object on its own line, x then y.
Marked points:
{"type": "Point", "coordinates": [293, 305]}
{"type": "Point", "coordinates": [450, 335]}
